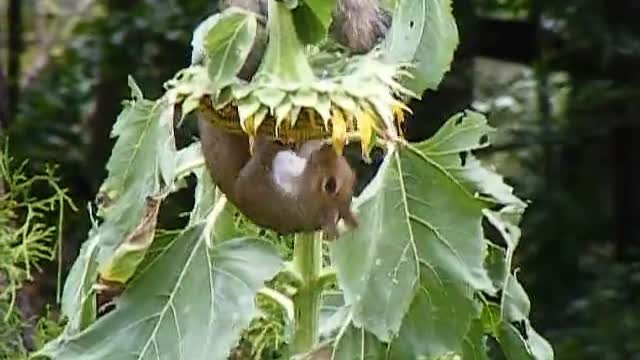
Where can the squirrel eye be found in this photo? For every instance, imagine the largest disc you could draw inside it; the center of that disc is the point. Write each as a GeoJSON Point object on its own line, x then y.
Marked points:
{"type": "Point", "coordinates": [330, 185]}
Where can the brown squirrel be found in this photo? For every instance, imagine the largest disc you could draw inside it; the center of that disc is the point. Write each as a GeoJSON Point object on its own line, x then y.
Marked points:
{"type": "Point", "coordinates": [280, 188]}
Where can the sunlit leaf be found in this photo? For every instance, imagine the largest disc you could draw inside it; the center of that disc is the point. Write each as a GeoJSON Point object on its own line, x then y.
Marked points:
{"type": "Point", "coordinates": [144, 154]}
{"type": "Point", "coordinates": [192, 302]}
{"type": "Point", "coordinates": [359, 344]}
{"type": "Point", "coordinates": [514, 303]}
{"type": "Point", "coordinates": [142, 163]}
{"type": "Point", "coordinates": [475, 346]}
{"type": "Point", "coordinates": [419, 214]}
{"type": "Point", "coordinates": [197, 42]}
{"type": "Point", "coordinates": [121, 266]}
{"type": "Point", "coordinates": [228, 43]}
{"type": "Point", "coordinates": [312, 19]}
{"type": "Point", "coordinates": [513, 344]}
{"type": "Point", "coordinates": [78, 299]}
{"type": "Point", "coordinates": [424, 33]}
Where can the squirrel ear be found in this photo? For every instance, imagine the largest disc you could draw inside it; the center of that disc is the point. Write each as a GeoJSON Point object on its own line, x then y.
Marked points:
{"type": "Point", "coordinates": [330, 185]}
{"type": "Point", "coordinates": [309, 147]}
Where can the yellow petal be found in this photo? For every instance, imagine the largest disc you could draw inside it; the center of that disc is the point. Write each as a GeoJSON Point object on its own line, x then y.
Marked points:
{"type": "Point", "coordinates": [339, 130]}
{"type": "Point", "coordinates": [258, 119]}
{"type": "Point", "coordinates": [399, 109]}
{"type": "Point", "coordinates": [251, 143]}
{"type": "Point", "coordinates": [365, 122]}
{"type": "Point", "coordinates": [247, 126]}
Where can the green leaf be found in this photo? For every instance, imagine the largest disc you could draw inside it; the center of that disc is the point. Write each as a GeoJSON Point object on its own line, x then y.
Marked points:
{"type": "Point", "coordinates": [198, 54]}
{"type": "Point", "coordinates": [270, 96]}
{"type": "Point", "coordinates": [206, 196]}
{"type": "Point", "coordinates": [512, 343]}
{"type": "Point", "coordinates": [436, 326]}
{"type": "Point", "coordinates": [323, 10]}
{"type": "Point", "coordinates": [516, 346]}
{"type": "Point", "coordinates": [359, 344]}
{"type": "Point", "coordinates": [436, 323]}
{"type": "Point", "coordinates": [188, 159]}
{"type": "Point", "coordinates": [540, 348]}
{"type": "Point", "coordinates": [192, 302]}
{"type": "Point", "coordinates": [496, 265]}
{"type": "Point", "coordinates": [312, 19]}
{"type": "Point", "coordinates": [187, 88]}
{"type": "Point", "coordinates": [333, 313]}
{"type": "Point", "coordinates": [210, 201]}
{"type": "Point", "coordinates": [514, 303]}
{"type": "Point", "coordinates": [78, 299]}
{"type": "Point", "coordinates": [475, 345]}
{"type": "Point", "coordinates": [144, 154]}
{"type": "Point", "coordinates": [121, 266]}
{"type": "Point", "coordinates": [423, 33]}
{"type": "Point", "coordinates": [305, 98]}
{"type": "Point", "coordinates": [451, 147]}
{"type": "Point", "coordinates": [142, 164]}
{"type": "Point", "coordinates": [228, 44]}
{"type": "Point", "coordinates": [420, 214]}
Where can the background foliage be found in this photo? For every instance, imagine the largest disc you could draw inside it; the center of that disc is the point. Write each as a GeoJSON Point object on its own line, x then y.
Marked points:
{"type": "Point", "coordinates": [567, 113]}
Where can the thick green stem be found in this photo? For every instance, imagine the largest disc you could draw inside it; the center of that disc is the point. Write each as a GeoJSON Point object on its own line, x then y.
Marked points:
{"type": "Point", "coordinates": [284, 58]}
{"type": "Point", "coordinates": [307, 259]}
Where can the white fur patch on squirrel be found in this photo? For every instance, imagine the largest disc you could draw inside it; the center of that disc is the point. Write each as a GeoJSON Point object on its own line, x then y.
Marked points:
{"type": "Point", "coordinates": [287, 168]}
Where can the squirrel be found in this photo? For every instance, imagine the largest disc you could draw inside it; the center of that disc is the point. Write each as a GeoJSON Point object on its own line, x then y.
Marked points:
{"type": "Point", "coordinates": [281, 188]}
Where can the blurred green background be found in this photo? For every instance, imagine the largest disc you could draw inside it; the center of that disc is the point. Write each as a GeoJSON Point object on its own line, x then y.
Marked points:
{"type": "Point", "coordinates": [560, 79]}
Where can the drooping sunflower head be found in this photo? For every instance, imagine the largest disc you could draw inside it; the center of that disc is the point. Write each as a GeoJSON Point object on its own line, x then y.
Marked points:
{"type": "Point", "coordinates": [362, 103]}
{"type": "Point", "coordinates": [294, 96]}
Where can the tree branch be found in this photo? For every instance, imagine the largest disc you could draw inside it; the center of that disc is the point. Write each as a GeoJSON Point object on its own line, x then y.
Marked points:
{"type": "Point", "coordinates": [14, 20]}
{"type": "Point", "coordinates": [52, 38]}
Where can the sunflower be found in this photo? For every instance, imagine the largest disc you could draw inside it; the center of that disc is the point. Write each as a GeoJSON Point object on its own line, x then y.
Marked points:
{"type": "Point", "coordinates": [292, 97]}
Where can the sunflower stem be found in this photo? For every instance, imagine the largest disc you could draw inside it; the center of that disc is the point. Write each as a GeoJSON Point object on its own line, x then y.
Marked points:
{"type": "Point", "coordinates": [284, 58]}
{"type": "Point", "coordinates": [307, 258]}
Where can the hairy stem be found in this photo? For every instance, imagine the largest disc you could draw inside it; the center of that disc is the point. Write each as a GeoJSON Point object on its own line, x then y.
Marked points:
{"type": "Point", "coordinates": [307, 259]}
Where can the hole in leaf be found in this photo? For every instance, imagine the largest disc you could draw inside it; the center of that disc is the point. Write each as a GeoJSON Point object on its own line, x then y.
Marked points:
{"type": "Point", "coordinates": [105, 309]}
{"type": "Point", "coordinates": [459, 120]}
{"type": "Point", "coordinates": [411, 24]}
{"type": "Point", "coordinates": [497, 207]}
{"type": "Point", "coordinates": [463, 158]}
{"type": "Point", "coordinates": [484, 139]}
{"type": "Point", "coordinates": [522, 328]}
{"type": "Point", "coordinates": [493, 234]}
{"type": "Point", "coordinates": [495, 297]}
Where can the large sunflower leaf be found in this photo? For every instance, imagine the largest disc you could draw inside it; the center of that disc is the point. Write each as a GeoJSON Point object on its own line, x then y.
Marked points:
{"type": "Point", "coordinates": [421, 213]}
{"type": "Point", "coordinates": [437, 322]}
{"type": "Point", "coordinates": [515, 305]}
{"type": "Point", "coordinates": [424, 33]}
{"type": "Point", "coordinates": [144, 154]}
{"type": "Point", "coordinates": [228, 43]}
{"type": "Point", "coordinates": [142, 164]}
{"type": "Point", "coordinates": [434, 328]}
{"type": "Point", "coordinates": [475, 346]}
{"type": "Point", "coordinates": [192, 302]}
{"type": "Point", "coordinates": [143, 161]}
{"type": "Point", "coordinates": [312, 19]}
